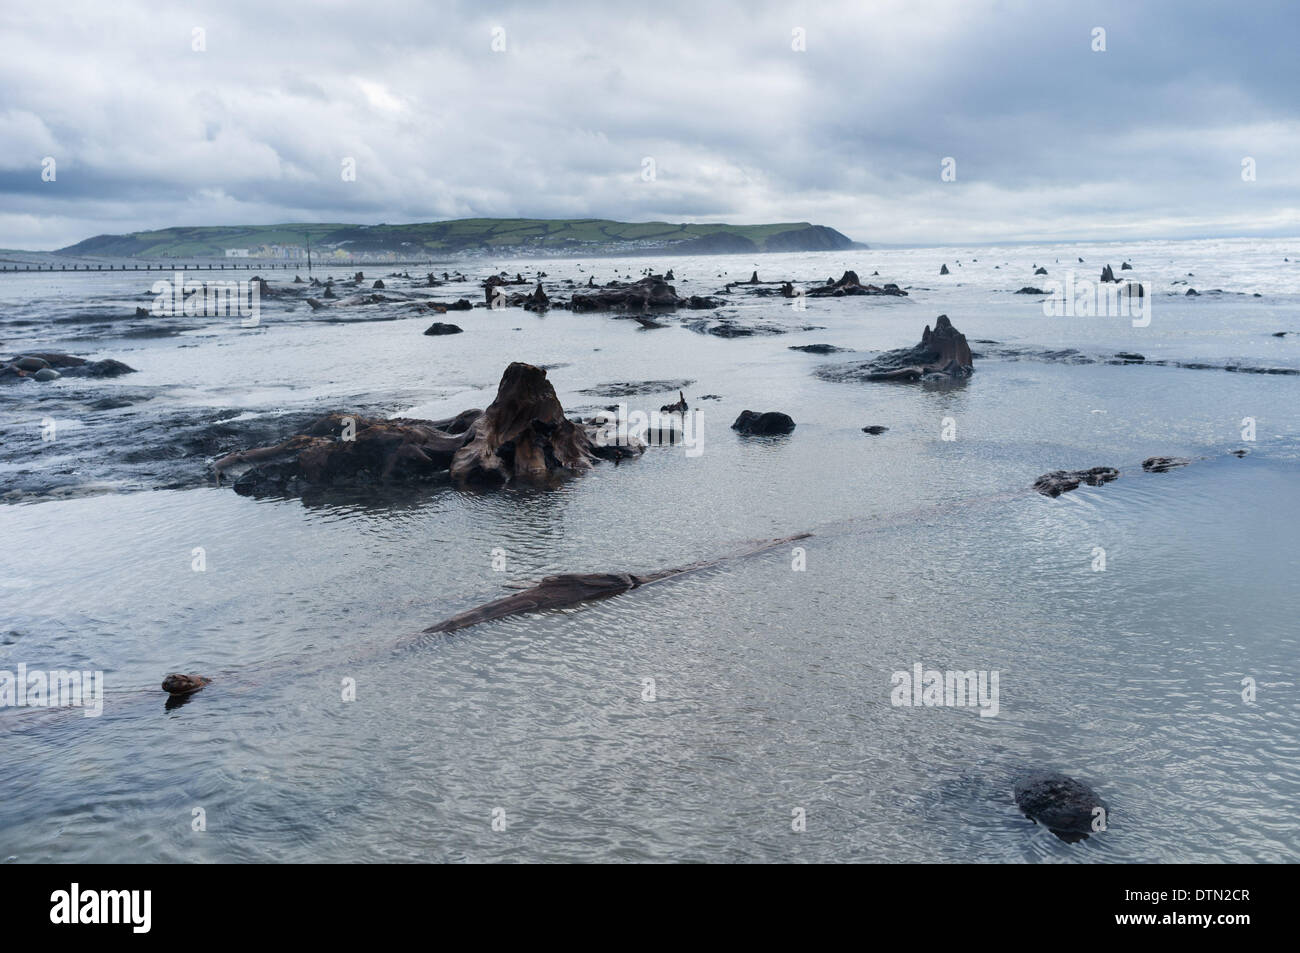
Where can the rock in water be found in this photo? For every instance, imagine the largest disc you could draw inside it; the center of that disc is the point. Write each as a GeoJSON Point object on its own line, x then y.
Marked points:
{"type": "Point", "coordinates": [1163, 464]}
{"type": "Point", "coordinates": [1107, 274]}
{"type": "Point", "coordinates": [1125, 266]}
{"type": "Point", "coordinates": [649, 292]}
{"type": "Point", "coordinates": [1064, 806]}
{"type": "Point", "coordinates": [1040, 271]}
{"type": "Point", "coordinates": [874, 429]}
{"type": "Point", "coordinates": [524, 435]}
{"type": "Point", "coordinates": [943, 269]}
{"type": "Point", "coordinates": [1063, 481]}
{"type": "Point", "coordinates": [439, 327]}
{"type": "Point", "coordinates": [763, 425]}
{"type": "Point", "coordinates": [184, 684]}
{"type": "Point", "coordinates": [817, 348]}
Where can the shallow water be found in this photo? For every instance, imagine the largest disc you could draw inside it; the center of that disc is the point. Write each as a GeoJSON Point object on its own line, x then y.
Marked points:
{"type": "Point", "coordinates": [772, 686]}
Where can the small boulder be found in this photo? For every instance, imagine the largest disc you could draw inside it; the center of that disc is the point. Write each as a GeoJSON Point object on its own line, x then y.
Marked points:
{"type": "Point", "coordinates": [1064, 806]}
{"type": "Point", "coordinates": [817, 348]}
{"type": "Point", "coordinates": [440, 328]}
{"type": "Point", "coordinates": [874, 429]}
{"type": "Point", "coordinates": [1063, 481]}
{"type": "Point", "coordinates": [943, 269]}
{"type": "Point", "coordinates": [763, 425]}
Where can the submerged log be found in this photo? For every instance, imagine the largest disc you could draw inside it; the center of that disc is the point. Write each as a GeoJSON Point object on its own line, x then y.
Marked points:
{"type": "Point", "coordinates": [570, 589]}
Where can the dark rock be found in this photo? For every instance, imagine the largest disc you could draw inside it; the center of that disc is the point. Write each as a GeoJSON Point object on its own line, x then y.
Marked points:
{"type": "Point", "coordinates": [817, 348]}
{"type": "Point", "coordinates": [1107, 274]}
{"type": "Point", "coordinates": [943, 269]}
{"type": "Point", "coordinates": [1030, 290]}
{"type": "Point", "coordinates": [1063, 481]}
{"type": "Point", "coordinates": [699, 303]}
{"type": "Point", "coordinates": [70, 366]}
{"type": "Point", "coordinates": [635, 388]}
{"type": "Point", "coordinates": [378, 285]}
{"type": "Point", "coordinates": [1125, 266]}
{"type": "Point", "coordinates": [398, 450]}
{"type": "Point", "coordinates": [46, 374]}
{"type": "Point", "coordinates": [1163, 464]}
{"type": "Point", "coordinates": [1192, 292]}
{"type": "Point", "coordinates": [31, 363]}
{"type": "Point", "coordinates": [1128, 357]}
{"type": "Point", "coordinates": [848, 285]}
{"type": "Point", "coordinates": [874, 429]}
{"type": "Point", "coordinates": [1064, 806]}
{"type": "Point", "coordinates": [439, 328]}
{"type": "Point", "coordinates": [669, 275]}
{"type": "Point", "coordinates": [762, 425]}
{"type": "Point", "coordinates": [649, 292]}
{"type": "Point", "coordinates": [1040, 271]}
{"type": "Point", "coordinates": [460, 304]}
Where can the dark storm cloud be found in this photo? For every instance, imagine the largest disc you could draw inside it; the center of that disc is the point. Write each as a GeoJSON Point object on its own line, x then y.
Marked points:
{"type": "Point", "coordinates": [1050, 138]}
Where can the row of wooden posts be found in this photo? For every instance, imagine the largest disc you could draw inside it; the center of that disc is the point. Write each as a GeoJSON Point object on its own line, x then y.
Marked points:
{"type": "Point", "coordinates": [221, 266]}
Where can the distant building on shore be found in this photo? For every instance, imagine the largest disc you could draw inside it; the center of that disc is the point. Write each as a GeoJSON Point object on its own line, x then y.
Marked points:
{"type": "Point", "coordinates": [236, 252]}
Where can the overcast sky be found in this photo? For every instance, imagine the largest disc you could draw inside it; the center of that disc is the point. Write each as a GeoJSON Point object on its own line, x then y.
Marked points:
{"type": "Point", "coordinates": [1050, 139]}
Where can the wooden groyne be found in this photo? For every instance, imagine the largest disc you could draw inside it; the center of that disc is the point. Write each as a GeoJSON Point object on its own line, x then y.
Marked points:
{"type": "Point", "coordinates": [218, 266]}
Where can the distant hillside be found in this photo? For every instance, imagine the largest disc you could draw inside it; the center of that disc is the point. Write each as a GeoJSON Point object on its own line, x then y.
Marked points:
{"type": "Point", "coordinates": [465, 237]}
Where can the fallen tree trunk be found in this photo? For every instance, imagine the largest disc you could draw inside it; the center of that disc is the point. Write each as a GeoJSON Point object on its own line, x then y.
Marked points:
{"type": "Point", "coordinates": [570, 589]}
